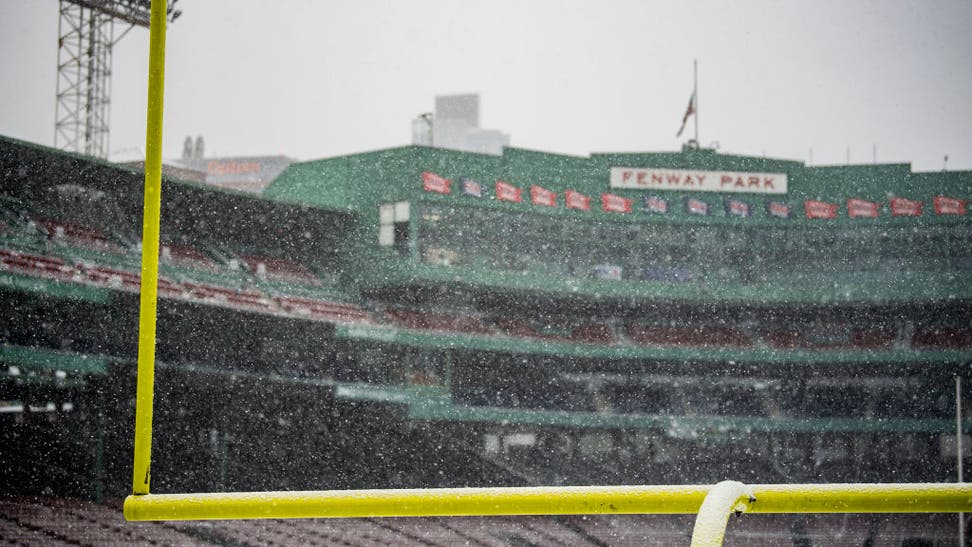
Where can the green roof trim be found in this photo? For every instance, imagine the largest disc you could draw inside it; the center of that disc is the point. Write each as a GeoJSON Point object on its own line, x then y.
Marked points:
{"type": "Point", "coordinates": [54, 289]}
{"type": "Point", "coordinates": [801, 288]}
{"type": "Point", "coordinates": [48, 359]}
{"type": "Point", "coordinates": [678, 426]}
{"type": "Point", "coordinates": [512, 345]}
{"type": "Point", "coordinates": [390, 394]}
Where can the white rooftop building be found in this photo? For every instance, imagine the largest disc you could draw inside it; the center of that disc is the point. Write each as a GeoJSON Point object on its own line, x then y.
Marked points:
{"type": "Point", "coordinates": [455, 125]}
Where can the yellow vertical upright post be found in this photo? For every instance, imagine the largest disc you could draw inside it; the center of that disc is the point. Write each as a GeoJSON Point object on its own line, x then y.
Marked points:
{"type": "Point", "coordinates": [141, 473]}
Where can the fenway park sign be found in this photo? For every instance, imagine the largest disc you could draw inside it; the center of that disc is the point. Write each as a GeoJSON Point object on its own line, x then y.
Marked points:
{"type": "Point", "coordinates": [698, 181]}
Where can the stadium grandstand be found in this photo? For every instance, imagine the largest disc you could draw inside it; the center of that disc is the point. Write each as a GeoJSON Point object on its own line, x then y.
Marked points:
{"type": "Point", "coordinates": [422, 317]}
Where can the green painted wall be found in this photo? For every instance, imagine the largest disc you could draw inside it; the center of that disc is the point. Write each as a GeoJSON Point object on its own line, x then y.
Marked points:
{"type": "Point", "coordinates": [360, 183]}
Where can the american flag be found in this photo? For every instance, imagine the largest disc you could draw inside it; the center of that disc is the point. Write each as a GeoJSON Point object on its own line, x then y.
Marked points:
{"type": "Point", "coordinates": [655, 204]}
{"type": "Point", "coordinates": [737, 208]}
{"type": "Point", "coordinates": [434, 183]}
{"type": "Point", "coordinates": [471, 187]}
{"type": "Point", "coordinates": [696, 206]}
{"type": "Point", "coordinates": [778, 209]}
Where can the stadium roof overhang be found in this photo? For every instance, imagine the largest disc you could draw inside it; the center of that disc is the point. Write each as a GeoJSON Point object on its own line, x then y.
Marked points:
{"type": "Point", "coordinates": [99, 190]}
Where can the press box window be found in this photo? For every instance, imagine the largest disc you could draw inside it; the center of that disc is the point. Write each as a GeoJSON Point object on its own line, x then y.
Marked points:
{"type": "Point", "coordinates": [393, 225]}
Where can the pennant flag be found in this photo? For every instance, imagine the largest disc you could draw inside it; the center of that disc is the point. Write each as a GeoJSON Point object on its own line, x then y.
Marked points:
{"type": "Point", "coordinates": [471, 187]}
{"type": "Point", "coordinates": [696, 206]}
{"type": "Point", "coordinates": [542, 196]}
{"type": "Point", "coordinates": [945, 205]}
{"type": "Point", "coordinates": [862, 208]}
{"type": "Point", "coordinates": [616, 204]}
{"type": "Point", "coordinates": [655, 204]}
{"type": "Point", "coordinates": [737, 208]}
{"type": "Point", "coordinates": [434, 183]}
{"type": "Point", "coordinates": [901, 207]}
{"type": "Point", "coordinates": [778, 209]}
{"type": "Point", "coordinates": [820, 209]}
{"type": "Point", "coordinates": [577, 200]}
{"type": "Point", "coordinates": [688, 112]}
{"type": "Point", "coordinates": [507, 192]}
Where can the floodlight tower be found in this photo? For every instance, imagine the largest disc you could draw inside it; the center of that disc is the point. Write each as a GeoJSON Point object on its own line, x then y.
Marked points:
{"type": "Point", "coordinates": [86, 35]}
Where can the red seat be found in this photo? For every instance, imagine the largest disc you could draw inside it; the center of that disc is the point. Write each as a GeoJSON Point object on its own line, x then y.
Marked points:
{"type": "Point", "coordinates": [323, 309]}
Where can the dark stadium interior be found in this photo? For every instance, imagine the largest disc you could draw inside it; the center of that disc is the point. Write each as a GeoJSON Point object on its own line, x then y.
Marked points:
{"type": "Point", "coordinates": [294, 355]}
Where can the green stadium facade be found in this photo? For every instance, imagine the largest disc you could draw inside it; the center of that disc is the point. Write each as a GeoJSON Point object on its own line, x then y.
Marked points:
{"type": "Point", "coordinates": [425, 317]}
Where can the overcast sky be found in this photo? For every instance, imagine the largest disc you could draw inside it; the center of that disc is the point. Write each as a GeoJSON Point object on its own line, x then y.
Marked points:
{"type": "Point", "coordinates": [312, 79]}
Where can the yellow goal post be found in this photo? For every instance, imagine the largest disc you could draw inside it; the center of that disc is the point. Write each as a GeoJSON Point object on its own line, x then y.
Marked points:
{"type": "Point", "coordinates": [712, 503]}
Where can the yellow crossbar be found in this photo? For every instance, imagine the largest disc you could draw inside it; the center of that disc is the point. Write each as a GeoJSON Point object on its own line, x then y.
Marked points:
{"type": "Point", "coordinates": [427, 502]}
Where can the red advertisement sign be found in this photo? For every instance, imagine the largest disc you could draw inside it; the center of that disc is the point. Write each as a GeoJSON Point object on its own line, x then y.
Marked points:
{"type": "Point", "coordinates": [616, 204]}
{"type": "Point", "coordinates": [507, 192]}
{"type": "Point", "coordinates": [434, 183]}
{"type": "Point", "coordinates": [945, 205]}
{"type": "Point", "coordinates": [820, 209]}
{"type": "Point", "coordinates": [862, 208]}
{"type": "Point", "coordinates": [542, 196]}
{"type": "Point", "coordinates": [577, 200]}
{"type": "Point", "coordinates": [901, 207]}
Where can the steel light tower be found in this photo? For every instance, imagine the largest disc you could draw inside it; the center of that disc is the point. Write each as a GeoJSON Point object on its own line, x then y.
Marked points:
{"type": "Point", "coordinates": [85, 39]}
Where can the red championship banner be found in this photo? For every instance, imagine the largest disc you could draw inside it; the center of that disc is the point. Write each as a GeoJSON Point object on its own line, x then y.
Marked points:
{"type": "Point", "coordinates": [862, 208]}
{"type": "Point", "coordinates": [615, 204]}
{"type": "Point", "coordinates": [945, 205]}
{"type": "Point", "coordinates": [901, 207]}
{"type": "Point", "coordinates": [507, 192]}
{"type": "Point", "coordinates": [577, 200]}
{"type": "Point", "coordinates": [820, 209]}
{"type": "Point", "coordinates": [542, 196]}
{"type": "Point", "coordinates": [434, 183]}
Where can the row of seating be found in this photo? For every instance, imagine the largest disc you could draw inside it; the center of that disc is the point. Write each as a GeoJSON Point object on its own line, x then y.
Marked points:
{"type": "Point", "coordinates": [59, 521]}
{"type": "Point", "coordinates": [589, 332]}
{"type": "Point", "coordinates": [93, 239]}
{"type": "Point", "coordinates": [127, 280]}
{"type": "Point", "coordinates": [76, 234]}
{"type": "Point", "coordinates": [72, 522]}
{"type": "Point", "coordinates": [710, 336]}
{"type": "Point", "coordinates": [338, 311]}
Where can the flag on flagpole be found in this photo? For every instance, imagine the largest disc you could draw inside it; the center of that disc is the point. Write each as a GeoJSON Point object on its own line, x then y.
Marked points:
{"type": "Point", "coordinates": [688, 112]}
